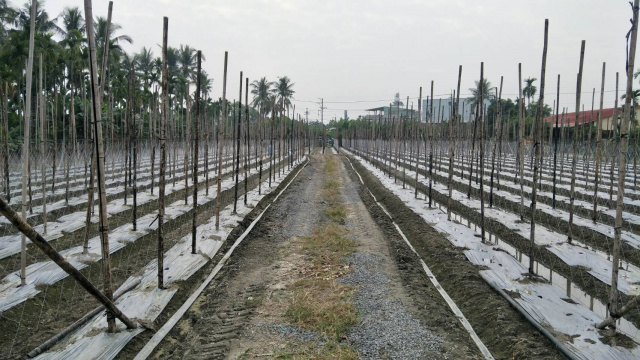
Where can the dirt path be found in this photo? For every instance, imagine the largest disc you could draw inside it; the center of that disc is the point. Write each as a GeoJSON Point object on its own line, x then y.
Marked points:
{"type": "Point", "coordinates": [247, 313]}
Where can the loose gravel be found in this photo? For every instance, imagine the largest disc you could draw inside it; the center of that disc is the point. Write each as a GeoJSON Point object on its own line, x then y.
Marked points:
{"type": "Point", "coordinates": [386, 328]}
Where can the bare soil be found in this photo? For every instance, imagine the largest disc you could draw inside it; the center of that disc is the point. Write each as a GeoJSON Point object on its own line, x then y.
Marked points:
{"type": "Point", "coordinates": [242, 314]}
{"type": "Point", "coordinates": [502, 329]}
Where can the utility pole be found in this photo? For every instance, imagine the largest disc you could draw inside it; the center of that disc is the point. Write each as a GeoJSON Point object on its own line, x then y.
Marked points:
{"type": "Point", "coordinates": [306, 113]}
{"type": "Point", "coordinates": [324, 132]}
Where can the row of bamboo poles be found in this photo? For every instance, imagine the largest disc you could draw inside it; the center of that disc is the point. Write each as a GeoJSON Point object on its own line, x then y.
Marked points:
{"type": "Point", "coordinates": [232, 132]}
{"type": "Point", "coordinates": [456, 140]}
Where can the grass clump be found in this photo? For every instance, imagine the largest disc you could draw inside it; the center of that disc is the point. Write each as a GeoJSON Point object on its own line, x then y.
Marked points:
{"type": "Point", "coordinates": [320, 302]}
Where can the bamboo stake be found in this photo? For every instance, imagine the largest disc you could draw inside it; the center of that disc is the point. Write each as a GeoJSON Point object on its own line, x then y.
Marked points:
{"type": "Point", "coordinates": [222, 120]}
{"type": "Point", "coordinates": [43, 245]}
{"type": "Point", "coordinates": [614, 313]}
{"type": "Point", "coordinates": [206, 147]}
{"type": "Point", "coordinates": [473, 145]}
{"type": "Point", "coordinates": [187, 144]}
{"type": "Point", "coordinates": [42, 160]}
{"type": "Point", "coordinates": [416, 136]}
{"type": "Point", "coordinates": [163, 151]}
{"type": "Point", "coordinates": [195, 153]}
{"type": "Point", "coordinates": [237, 168]}
{"type": "Point", "coordinates": [246, 155]}
{"type": "Point", "coordinates": [537, 148]}
{"type": "Point", "coordinates": [575, 144]}
{"type": "Point", "coordinates": [104, 222]}
{"type": "Point", "coordinates": [452, 145]}
{"type": "Point", "coordinates": [273, 118]}
{"type": "Point", "coordinates": [5, 117]}
{"type": "Point", "coordinates": [25, 146]}
{"type": "Point", "coordinates": [133, 140]}
{"type": "Point", "coordinates": [598, 147]}
{"type": "Point", "coordinates": [54, 111]}
{"type": "Point", "coordinates": [615, 127]}
{"type": "Point", "coordinates": [521, 141]}
{"type": "Point", "coordinates": [497, 120]}
{"type": "Point", "coordinates": [555, 144]}
{"type": "Point", "coordinates": [480, 170]}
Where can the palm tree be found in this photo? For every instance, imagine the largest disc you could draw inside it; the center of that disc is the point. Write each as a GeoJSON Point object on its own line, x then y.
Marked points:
{"type": "Point", "coordinates": [260, 89]}
{"type": "Point", "coordinates": [396, 101]}
{"type": "Point", "coordinates": [186, 60]}
{"type": "Point", "coordinates": [72, 20]}
{"type": "Point", "coordinates": [529, 90]}
{"type": "Point", "coordinates": [43, 23]}
{"type": "Point", "coordinates": [474, 100]}
{"type": "Point", "coordinates": [7, 16]}
{"type": "Point", "coordinates": [284, 92]}
{"type": "Point", "coordinates": [116, 53]}
{"type": "Point", "coordinates": [145, 64]}
{"type": "Point", "coordinates": [205, 83]}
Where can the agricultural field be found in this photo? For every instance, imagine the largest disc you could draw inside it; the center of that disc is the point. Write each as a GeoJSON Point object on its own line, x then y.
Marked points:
{"type": "Point", "coordinates": [148, 212]}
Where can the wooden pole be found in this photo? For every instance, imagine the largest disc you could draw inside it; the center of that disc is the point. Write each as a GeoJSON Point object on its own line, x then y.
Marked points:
{"type": "Point", "coordinates": [497, 120]}
{"type": "Point", "coordinates": [133, 139]}
{"type": "Point", "coordinates": [43, 245]}
{"type": "Point", "coordinates": [237, 170]}
{"type": "Point", "coordinates": [481, 167]}
{"type": "Point", "coordinates": [163, 151]}
{"type": "Point", "coordinates": [97, 115]}
{"type": "Point", "coordinates": [195, 153]}
{"type": "Point", "coordinates": [537, 148]}
{"type": "Point", "coordinates": [187, 144]}
{"type": "Point", "coordinates": [246, 135]}
{"type": "Point", "coordinates": [575, 144]}
{"type": "Point", "coordinates": [556, 133]}
{"type": "Point", "coordinates": [42, 148]}
{"type": "Point", "coordinates": [596, 180]}
{"type": "Point", "coordinates": [25, 145]}
{"type": "Point", "coordinates": [613, 158]}
{"type": "Point", "coordinates": [623, 147]}
{"type": "Point", "coordinates": [5, 118]}
{"type": "Point", "coordinates": [222, 120]}
{"type": "Point", "coordinates": [521, 141]}
{"type": "Point", "coordinates": [452, 143]}
{"type": "Point", "coordinates": [417, 137]}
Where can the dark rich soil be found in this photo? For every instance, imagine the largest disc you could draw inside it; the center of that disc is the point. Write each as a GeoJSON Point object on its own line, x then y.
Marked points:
{"type": "Point", "coordinates": [229, 316]}
{"type": "Point", "coordinates": [225, 308]}
{"type": "Point", "coordinates": [503, 330]}
{"type": "Point", "coordinates": [232, 318]}
{"type": "Point", "coordinates": [75, 238]}
{"type": "Point", "coordinates": [577, 274]}
{"type": "Point", "coordinates": [29, 324]}
{"type": "Point", "coordinates": [423, 300]}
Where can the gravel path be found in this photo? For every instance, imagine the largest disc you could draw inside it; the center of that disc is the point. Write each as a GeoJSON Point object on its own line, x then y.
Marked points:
{"type": "Point", "coordinates": [386, 329]}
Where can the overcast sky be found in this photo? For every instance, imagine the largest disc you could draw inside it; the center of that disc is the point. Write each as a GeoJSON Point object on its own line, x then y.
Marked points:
{"type": "Point", "coordinates": [357, 54]}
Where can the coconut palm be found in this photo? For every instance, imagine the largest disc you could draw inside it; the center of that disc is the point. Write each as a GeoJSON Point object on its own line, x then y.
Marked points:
{"type": "Point", "coordinates": [260, 89]}
{"type": "Point", "coordinates": [205, 83]}
{"type": "Point", "coordinates": [145, 65]}
{"type": "Point", "coordinates": [485, 86]}
{"type": "Point", "coordinates": [284, 92]}
{"type": "Point", "coordinates": [396, 101]}
{"type": "Point", "coordinates": [7, 16]}
{"type": "Point", "coordinates": [186, 60]}
{"type": "Point", "coordinates": [72, 20]}
{"type": "Point", "coordinates": [116, 53]}
{"type": "Point", "coordinates": [44, 24]}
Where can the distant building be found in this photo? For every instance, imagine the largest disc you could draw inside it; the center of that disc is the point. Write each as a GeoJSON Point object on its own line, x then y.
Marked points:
{"type": "Point", "coordinates": [385, 112]}
{"type": "Point", "coordinates": [445, 106]}
{"type": "Point", "coordinates": [590, 117]}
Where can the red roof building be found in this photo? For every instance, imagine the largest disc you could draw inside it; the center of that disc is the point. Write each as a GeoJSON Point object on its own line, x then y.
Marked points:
{"type": "Point", "coordinates": [587, 117]}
